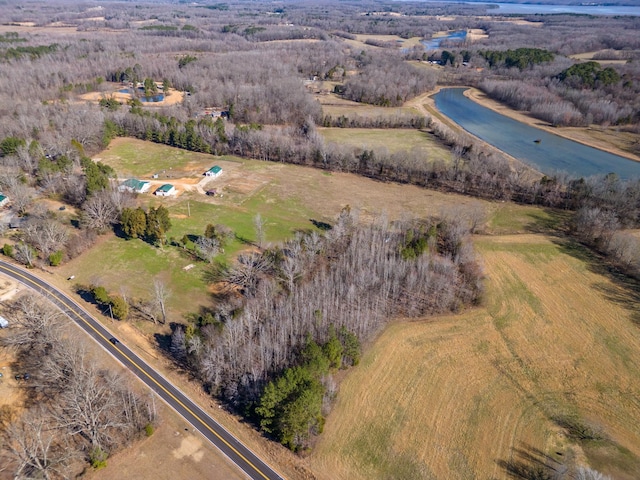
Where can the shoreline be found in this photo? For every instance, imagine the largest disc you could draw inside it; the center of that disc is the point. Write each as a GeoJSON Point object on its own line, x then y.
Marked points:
{"type": "Point", "coordinates": [576, 134]}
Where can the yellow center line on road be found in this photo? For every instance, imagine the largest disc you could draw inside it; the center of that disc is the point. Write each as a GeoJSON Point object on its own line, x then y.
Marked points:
{"type": "Point", "coordinates": [64, 299]}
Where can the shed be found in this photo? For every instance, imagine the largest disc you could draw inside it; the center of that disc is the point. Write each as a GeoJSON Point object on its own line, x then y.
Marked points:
{"type": "Point", "coordinates": [134, 185]}
{"type": "Point", "coordinates": [213, 171]}
{"type": "Point", "coordinates": [3, 200]}
{"type": "Point", "coordinates": [165, 190]}
{"type": "Point", "coordinates": [4, 323]}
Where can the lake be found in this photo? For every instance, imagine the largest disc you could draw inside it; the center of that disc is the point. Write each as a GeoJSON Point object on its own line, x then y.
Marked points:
{"type": "Point", "coordinates": [531, 8]}
{"type": "Point", "coordinates": [544, 151]}
{"type": "Point", "coordinates": [527, 8]}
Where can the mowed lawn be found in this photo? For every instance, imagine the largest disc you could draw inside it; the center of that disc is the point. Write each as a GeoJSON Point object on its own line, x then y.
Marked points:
{"type": "Point", "coordinates": [392, 140]}
{"type": "Point", "coordinates": [133, 157]}
{"type": "Point", "coordinates": [464, 396]}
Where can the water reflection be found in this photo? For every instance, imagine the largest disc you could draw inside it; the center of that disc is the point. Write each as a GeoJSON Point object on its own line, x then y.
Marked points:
{"type": "Point", "coordinates": [544, 151]}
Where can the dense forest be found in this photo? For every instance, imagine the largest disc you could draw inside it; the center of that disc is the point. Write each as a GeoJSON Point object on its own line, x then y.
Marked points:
{"type": "Point", "coordinates": [292, 314]}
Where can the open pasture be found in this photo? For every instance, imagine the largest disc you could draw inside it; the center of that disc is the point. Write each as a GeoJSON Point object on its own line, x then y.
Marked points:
{"type": "Point", "coordinates": [335, 106]}
{"type": "Point", "coordinates": [480, 394]}
{"type": "Point", "coordinates": [288, 198]}
{"type": "Point", "coordinates": [132, 157]}
{"type": "Point", "coordinates": [391, 140]}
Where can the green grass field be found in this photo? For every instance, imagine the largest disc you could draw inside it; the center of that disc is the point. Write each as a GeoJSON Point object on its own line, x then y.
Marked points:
{"type": "Point", "coordinates": [392, 140]}
{"type": "Point", "coordinates": [131, 157]}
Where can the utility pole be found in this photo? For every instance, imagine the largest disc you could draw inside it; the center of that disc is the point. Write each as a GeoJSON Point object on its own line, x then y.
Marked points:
{"type": "Point", "coordinates": [110, 312]}
{"type": "Point", "coordinates": [189, 208]}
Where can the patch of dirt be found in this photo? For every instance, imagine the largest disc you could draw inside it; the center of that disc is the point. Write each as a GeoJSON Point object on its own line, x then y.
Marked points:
{"type": "Point", "coordinates": [172, 96]}
{"type": "Point", "coordinates": [173, 452]}
{"type": "Point", "coordinates": [8, 288]}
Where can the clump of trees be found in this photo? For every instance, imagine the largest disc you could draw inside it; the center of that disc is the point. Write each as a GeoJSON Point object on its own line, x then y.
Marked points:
{"type": "Point", "coordinates": [75, 410]}
{"type": "Point", "coordinates": [150, 225]}
{"type": "Point", "coordinates": [207, 246]}
{"type": "Point", "coordinates": [116, 305]}
{"type": "Point", "coordinates": [589, 75]}
{"type": "Point", "coordinates": [519, 58]}
{"type": "Point", "coordinates": [350, 281]}
{"type": "Point", "coordinates": [291, 407]}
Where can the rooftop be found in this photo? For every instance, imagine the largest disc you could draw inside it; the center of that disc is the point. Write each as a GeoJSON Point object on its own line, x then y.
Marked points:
{"type": "Point", "coordinates": [134, 183]}
{"type": "Point", "coordinates": [165, 188]}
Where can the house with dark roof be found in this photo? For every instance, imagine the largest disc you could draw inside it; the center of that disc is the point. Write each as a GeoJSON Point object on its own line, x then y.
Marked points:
{"type": "Point", "coordinates": [134, 185]}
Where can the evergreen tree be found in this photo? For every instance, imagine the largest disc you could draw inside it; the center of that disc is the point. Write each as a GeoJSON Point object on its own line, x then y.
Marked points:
{"type": "Point", "coordinates": [133, 222]}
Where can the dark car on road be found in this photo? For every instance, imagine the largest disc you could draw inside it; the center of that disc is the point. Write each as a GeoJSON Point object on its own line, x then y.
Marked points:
{"type": "Point", "coordinates": [114, 340]}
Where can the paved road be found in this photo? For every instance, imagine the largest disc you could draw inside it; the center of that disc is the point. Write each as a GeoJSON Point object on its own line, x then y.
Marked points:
{"type": "Point", "coordinates": [248, 462]}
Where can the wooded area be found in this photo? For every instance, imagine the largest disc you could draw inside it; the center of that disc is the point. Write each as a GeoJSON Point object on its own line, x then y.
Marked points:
{"type": "Point", "coordinates": [76, 411]}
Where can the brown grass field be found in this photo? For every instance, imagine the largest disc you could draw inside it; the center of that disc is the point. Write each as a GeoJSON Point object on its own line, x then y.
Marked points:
{"type": "Point", "coordinates": [459, 396]}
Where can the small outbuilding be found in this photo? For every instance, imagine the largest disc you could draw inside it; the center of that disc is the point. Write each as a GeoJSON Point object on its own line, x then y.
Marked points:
{"type": "Point", "coordinates": [134, 185]}
{"type": "Point", "coordinates": [213, 171]}
{"type": "Point", "coordinates": [3, 200]}
{"type": "Point", "coordinates": [165, 190]}
{"type": "Point", "coordinates": [4, 323]}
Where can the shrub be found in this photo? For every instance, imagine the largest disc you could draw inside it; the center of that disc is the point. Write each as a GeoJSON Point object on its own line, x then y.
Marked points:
{"type": "Point", "coordinates": [120, 307]}
{"type": "Point", "coordinates": [100, 295]}
{"type": "Point", "coordinates": [7, 250]}
{"type": "Point", "coordinates": [98, 458]}
{"type": "Point", "coordinates": [55, 258]}
{"type": "Point", "coordinates": [148, 429]}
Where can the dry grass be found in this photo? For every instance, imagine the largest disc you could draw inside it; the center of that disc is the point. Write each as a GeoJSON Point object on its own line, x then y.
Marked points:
{"type": "Point", "coordinates": [454, 396]}
{"type": "Point", "coordinates": [335, 106]}
{"type": "Point", "coordinates": [392, 140]}
{"type": "Point", "coordinates": [589, 56]}
{"type": "Point", "coordinates": [174, 446]}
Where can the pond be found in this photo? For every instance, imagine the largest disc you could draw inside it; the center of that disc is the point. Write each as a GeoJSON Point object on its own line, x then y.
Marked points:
{"type": "Point", "coordinates": [544, 151]}
{"type": "Point", "coordinates": [435, 42]}
{"type": "Point", "coordinates": [154, 98]}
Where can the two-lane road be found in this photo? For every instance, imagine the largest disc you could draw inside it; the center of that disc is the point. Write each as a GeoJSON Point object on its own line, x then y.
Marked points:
{"type": "Point", "coordinates": [246, 460]}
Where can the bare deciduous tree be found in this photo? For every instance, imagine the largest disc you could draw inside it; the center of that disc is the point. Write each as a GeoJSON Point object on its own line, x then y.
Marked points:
{"type": "Point", "coordinates": [207, 248]}
{"type": "Point", "coordinates": [21, 196]}
{"type": "Point", "coordinates": [89, 408]}
{"type": "Point", "coordinates": [258, 225]}
{"type": "Point", "coordinates": [36, 324]}
{"type": "Point", "coordinates": [47, 235]}
{"type": "Point", "coordinates": [100, 211]}
{"type": "Point", "coordinates": [161, 295]}
{"type": "Point", "coordinates": [36, 448]}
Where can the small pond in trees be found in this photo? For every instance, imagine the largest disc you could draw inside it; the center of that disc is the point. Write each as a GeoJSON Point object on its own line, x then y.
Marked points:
{"type": "Point", "coordinates": [435, 42]}
{"type": "Point", "coordinates": [153, 98]}
{"type": "Point", "coordinates": [544, 151]}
